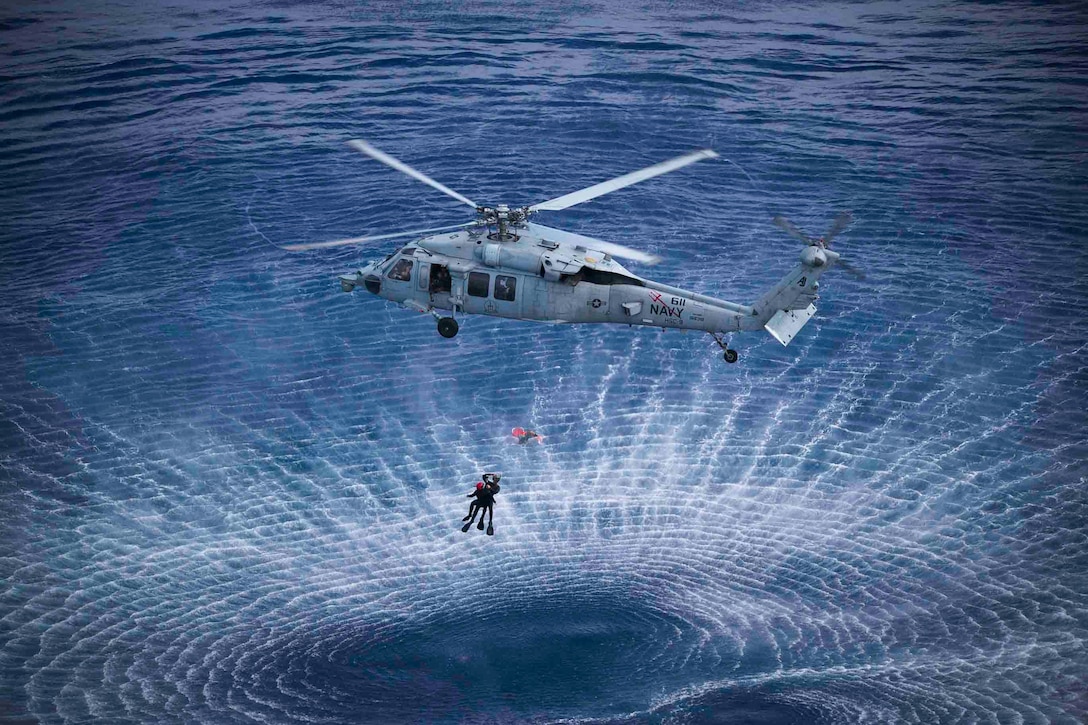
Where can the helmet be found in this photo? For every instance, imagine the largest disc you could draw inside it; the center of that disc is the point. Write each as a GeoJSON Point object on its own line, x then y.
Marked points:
{"type": "Point", "coordinates": [479, 486]}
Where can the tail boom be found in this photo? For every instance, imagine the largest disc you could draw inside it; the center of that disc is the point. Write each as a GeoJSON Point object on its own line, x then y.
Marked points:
{"type": "Point", "coordinates": [785, 309]}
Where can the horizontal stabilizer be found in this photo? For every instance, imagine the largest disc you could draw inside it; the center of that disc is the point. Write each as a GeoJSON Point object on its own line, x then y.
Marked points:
{"type": "Point", "coordinates": [787, 323]}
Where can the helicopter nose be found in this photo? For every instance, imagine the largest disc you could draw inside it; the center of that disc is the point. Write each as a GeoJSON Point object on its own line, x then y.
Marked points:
{"type": "Point", "coordinates": [366, 276]}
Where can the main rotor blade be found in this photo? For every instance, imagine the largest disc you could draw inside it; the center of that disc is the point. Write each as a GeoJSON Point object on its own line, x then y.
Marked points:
{"type": "Point", "coordinates": [787, 226]}
{"type": "Point", "coordinates": [592, 192]}
{"type": "Point", "coordinates": [361, 240]}
{"type": "Point", "coordinates": [401, 166]}
{"type": "Point", "coordinates": [841, 222]}
{"type": "Point", "coordinates": [596, 245]}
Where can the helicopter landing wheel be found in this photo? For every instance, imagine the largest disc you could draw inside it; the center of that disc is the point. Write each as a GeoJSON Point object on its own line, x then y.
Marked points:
{"type": "Point", "coordinates": [730, 355]}
{"type": "Point", "coordinates": [447, 327]}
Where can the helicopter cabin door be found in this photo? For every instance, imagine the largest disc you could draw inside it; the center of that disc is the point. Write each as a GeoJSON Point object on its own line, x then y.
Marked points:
{"type": "Point", "coordinates": [440, 285]}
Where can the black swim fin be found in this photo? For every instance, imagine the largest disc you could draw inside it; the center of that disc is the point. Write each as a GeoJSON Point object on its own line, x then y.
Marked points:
{"type": "Point", "coordinates": [465, 527]}
{"type": "Point", "coordinates": [490, 530]}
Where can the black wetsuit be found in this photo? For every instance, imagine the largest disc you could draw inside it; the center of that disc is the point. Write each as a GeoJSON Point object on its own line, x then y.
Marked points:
{"type": "Point", "coordinates": [474, 505]}
{"type": "Point", "coordinates": [488, 502]}
{"type": "Point", "coordinates": [485, 502]}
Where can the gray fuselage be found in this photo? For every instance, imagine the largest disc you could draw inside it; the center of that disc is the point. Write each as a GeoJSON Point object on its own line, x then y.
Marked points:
{"type": "Point", "coordinates": [544, 275]}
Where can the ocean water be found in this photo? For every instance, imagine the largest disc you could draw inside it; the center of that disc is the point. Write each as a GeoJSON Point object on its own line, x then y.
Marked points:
{"type": "Point", "coordinates": [230, 493]}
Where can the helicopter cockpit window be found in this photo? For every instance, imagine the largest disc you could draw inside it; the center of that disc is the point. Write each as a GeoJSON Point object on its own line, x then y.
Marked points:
{"type": "Point", "coordinates": [505, 287]}
{"type": "Point", "coordinates": [478, 282]}
{"type": "Point", "coordinates": [402, 270]}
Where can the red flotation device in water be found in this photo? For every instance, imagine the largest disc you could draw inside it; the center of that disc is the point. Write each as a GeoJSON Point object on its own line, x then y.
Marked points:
{"type": "Point", "coordinates": [524, 436]}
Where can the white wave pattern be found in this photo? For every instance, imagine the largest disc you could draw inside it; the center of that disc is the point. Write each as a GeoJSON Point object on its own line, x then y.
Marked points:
{"type": "Point", "coordinates": [233, 494]}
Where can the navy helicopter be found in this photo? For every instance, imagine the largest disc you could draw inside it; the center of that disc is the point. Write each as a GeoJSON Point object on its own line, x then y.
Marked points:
{"type": "Point", "coordinates": [502, 264]}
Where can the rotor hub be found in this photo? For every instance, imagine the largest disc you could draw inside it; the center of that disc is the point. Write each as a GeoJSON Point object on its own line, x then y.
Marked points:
{"type": "Point", "coordinates": [813, 256]}
{"type": "Point", "coordinates": [502, 214]}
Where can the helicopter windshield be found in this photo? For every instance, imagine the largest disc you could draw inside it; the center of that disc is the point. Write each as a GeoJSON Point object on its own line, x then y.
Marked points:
{"type": "Point", "coordinates": [385, 262]}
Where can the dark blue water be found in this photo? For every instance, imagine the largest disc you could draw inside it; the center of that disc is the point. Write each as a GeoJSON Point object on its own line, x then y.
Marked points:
{"type": "Point", "coordinates": [231, 493]}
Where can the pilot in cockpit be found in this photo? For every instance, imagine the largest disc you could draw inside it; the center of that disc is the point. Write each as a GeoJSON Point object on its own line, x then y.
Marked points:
{"type": "Point", "coordinates": [402, 270]}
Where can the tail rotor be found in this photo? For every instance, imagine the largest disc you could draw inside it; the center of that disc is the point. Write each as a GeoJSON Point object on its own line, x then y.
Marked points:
{"type": "Point", "coordinates": [841, 221]}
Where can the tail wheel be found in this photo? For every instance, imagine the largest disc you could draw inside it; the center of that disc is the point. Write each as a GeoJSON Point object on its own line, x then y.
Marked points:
{"type": "Point", "coordinates": [730, 355]}
{"type": "Point", "coordinates": [447, 327]}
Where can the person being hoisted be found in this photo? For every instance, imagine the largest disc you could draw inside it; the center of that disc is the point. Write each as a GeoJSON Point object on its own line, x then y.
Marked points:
{"type": "Point", "coordinates": [484, 503]}
{"type": "Point", "coordinates": [475, 496]}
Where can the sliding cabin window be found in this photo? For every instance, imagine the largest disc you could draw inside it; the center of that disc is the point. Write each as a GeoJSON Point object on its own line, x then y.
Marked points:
{"type": "Point", "coordinates": [478, 283]}
{"type": "Point", "coordinates": [505, 288]}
